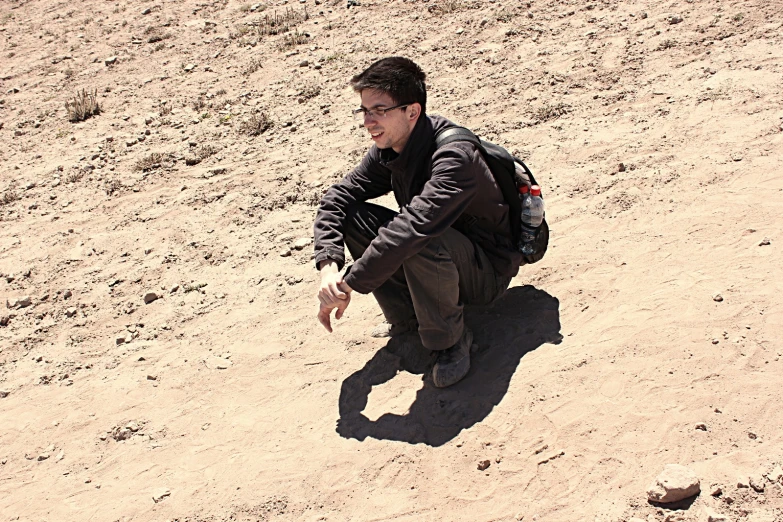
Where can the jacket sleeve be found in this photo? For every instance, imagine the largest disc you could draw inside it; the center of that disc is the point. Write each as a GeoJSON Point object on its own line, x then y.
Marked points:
{"type": "Point", "coordinates": [444, 197]}
{"type": "Point", "coordinates": [368, 180]}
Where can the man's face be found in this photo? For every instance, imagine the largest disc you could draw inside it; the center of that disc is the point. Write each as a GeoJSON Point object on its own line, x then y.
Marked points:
{"type": "Point", "coordinates": [393, 129]}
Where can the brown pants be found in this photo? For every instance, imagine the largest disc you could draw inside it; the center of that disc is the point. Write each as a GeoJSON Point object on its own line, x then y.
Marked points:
{"type": "Point", "coordinates": [434, 285]}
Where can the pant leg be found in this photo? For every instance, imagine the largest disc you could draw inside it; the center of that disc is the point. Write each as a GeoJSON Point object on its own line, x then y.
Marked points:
{"type": "Point", "coordinates": [362, 223]}
{"type": "Point", "coordinates": [442, 278]}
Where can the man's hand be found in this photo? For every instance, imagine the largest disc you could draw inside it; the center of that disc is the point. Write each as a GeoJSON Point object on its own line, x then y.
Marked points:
{"type": "Point", "coordinates": [333, 293]}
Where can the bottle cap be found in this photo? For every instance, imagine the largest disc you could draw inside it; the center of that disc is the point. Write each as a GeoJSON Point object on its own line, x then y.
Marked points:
{"type": "Point", "coordinates": [535, 190]}
{"type": "Point", "coordinates": [524, 189]}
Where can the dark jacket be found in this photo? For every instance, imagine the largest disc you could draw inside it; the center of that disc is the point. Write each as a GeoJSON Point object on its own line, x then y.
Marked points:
{"type": "Point", "coordinates": [433, 189]}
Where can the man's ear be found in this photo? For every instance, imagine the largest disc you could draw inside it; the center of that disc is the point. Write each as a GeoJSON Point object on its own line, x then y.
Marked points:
{"type": "Point", "coordinates": [415, 111]}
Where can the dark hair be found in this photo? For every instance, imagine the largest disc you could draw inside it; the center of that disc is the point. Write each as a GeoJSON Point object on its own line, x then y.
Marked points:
{"type": "Point", "coordinates": [398, 77]}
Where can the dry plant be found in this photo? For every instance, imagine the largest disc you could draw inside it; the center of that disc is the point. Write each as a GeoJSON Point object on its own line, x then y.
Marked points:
{"type": "Point", "coordinates": [257, 124]}
{"type": "Point", "coordinates": [74, 176]}
{"type": "Point", "coordinates": [309, 91]}
{"type": "Point", "coordinates": [292, 40]}
{"type": "Point", "coordinates": [277, 24]}
{"type": "Point", "coordinates": [83, 105]}
{"type": "Point", "coordinates": [550, 112]}
{"type": "Point", "coordinates": [150, 162]}
{"type": "Point", "coordinates": [252, 66]}
{"type": "Point", "coordinates": [204, 152]}
{"type": "Point", "coordinates": [9, 196]}
{"type": "Point", "coordinates": [113, 186]}
{"type": "Point", "coordinates": [666, 44]}
{"type": "Point", "coordinates": [445, 7]}
{"type": "Point", "coordinates": [200, 104]}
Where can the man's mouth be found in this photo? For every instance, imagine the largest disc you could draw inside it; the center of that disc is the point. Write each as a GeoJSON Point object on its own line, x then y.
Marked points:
{"type": "Point", "coordinates": [376, 135]}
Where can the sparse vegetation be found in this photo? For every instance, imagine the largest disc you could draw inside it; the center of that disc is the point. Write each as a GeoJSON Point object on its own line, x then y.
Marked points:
{"type": "Point", "coordinates": [280, 23]}
{"type": "Point", "coordinates": [74, 176]}
{"type": "Point", "coordinates": [200, 104]}
{"type": "Point", "coordinates": [150, 162]}
{"type": "Point", "coordinates": [252, 66]}
{"type": "Point", "coordinates": [9, 196]}
{"type": "Point", "coordinates": [83, 105]}
{"type": "Point", "coordinates": [113, 186]}
{"type": "Point", "coordinates": [257, 124]}
{"type": "Point", "coordinates": [292, 40]}
{"type": "Point", "coordinates": [550, 112]}
{"type": "Point", "coordinates": [445, 7]}
{"type": "Point", "coordinates": [202, 153]}
{"type": "Point", "coordinates": [738, 17]}
{"type": "Point", "coordinates": [196, 287]}
{"type": "Point", "coordinates": [666, 44]}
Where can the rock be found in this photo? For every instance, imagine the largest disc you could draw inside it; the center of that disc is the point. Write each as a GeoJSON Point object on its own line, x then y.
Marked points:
{"type": "Point", "coordinates": [174, 289]}
{"type": "Point", "coordinates": [4, 394]}
{"type": "Point", "coordinates": [621, 167]}
{"type": "Point", "coordinates": [21, 302]}
{"type": "Point", "coordinates": [632, 519]}
{"type": "Point", "coordinates": [285, 252]}
{"type": "Point", "coordinates": [146, 11]}
{"type": "Point", "coordinates": [70, 312]}
{"type": "Point", "coordinates": [189, 67]}
{"type": "Point", "coordinates": [701, 426]}
{"type": "Point", "coordinates": [67, 294]}
{"type": "Point", "coordinates": [150, 297]}
{"type": "Point", "coordinates": [152, 377]}
{"type": "Point", "coordinates": [110, 60]}
{"type": "Point", "coordinates": [717, 298]}
{"type": "Point", "coordinates": [301, 243]}
{"type": "Point", "coordinates": [43, 456]}
{"type": "Point", "coordinates": [676, 482]}
{"type": "Point", "coordinates": [123, 338]}
{"type": "Point", "coordinates": [484, 464]}
{"type": "Point", "coordinates": [121, 434]}
{"type": "Point", "coordinates": [743, 483]}
{"type": "Point", "coordinates": [764, 242]}
{"type": "Point", "coordinates": [674, 19]}
{"type": "Point", "coordinates": [776, 475]}
{"type": "Point", "coordinates": [160, 494]}
{"type": "Point", "coordinates": [757, 483]}
{"type": "Point", "coordinates": [716, 491]}
{"type": "Point", "coordinates": [60, 456]}
{"type": "Point", "coordinates": [133, 426]}
{"type": "Point", "coordinates": [4, 320]}
{"type": "Point", "coordinates": [713, 516]}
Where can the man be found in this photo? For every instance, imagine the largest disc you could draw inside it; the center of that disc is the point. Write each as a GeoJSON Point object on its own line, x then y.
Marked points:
{"type": "Point", "coordinates": [450, 243]}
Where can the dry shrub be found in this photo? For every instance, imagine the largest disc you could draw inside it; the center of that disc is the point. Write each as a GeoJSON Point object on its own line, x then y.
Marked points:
{"type": "Point", "coordinates": [252, 66]}
{"type": "Point", "coordinates": [292, 40]}
{"type": "Point", "coordinates": [199, 104]}
{"type": "Point", "coordinates": [151, 162]}
{"type": "Point", "coordinates": [445, 7]}
{"type": "Point", "coordinates": [550, 112]}
{"type": "Point", "coordinates": [203, 152]}
{"type": "Point", "coordinates": [257, 124]}
{"type": "Point", "coordinates": [74, 176]}
{"type": "Point", "coordinates": [277, 24]}
{"type": "Point", "coordinates": [9, 196]}
{"type": "Point", "coordinates": [83, 105]}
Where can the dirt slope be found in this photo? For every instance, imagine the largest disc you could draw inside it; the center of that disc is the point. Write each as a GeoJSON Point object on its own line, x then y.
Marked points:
{"type": "Point", "coordinates": [656, 129]}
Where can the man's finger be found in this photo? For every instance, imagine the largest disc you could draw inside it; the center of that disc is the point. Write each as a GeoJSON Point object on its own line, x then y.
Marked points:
{"type": "Point", "coordinates": [336, 292]}
{"type": "Point", "coordinates": [323, 317]}
{"type": "Point", "coordinates": [341, 306]}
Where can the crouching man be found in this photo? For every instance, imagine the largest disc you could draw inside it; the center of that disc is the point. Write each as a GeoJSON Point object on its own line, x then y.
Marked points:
{"type": "Point", "coordinates": [449, 244]}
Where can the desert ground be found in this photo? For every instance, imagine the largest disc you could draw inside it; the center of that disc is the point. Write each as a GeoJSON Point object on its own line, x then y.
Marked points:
{"type": "Point", "coordinates": [160, 357]}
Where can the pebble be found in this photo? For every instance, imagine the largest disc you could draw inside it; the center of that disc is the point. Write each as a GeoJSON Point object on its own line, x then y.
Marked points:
{"type": "Point", "coordinates": [716, 491]}
{"type": "Point", "coordinates": [174, 289]}
{"type": "Point", "coordinates": [482, 465]}
{"type": "Point", "coordinates": [776, 475]}
{"type": "Point", "coordinates": [146, 11]}
{"type": "Point", "coordinates": [123, 338]}
{"type": "Point", "coordinates": [674, 19]}
{"type": "Point", "coordinates": [757, 483]}
{"type": "Point", "coordinates": [150, 297]}
{"type": "Point", "coordinates": [189, 67]}
{"type": "Point", "coordinates": [302, 242]}
{"type": "Point", "coordinates": [743, 483]}
{"type": "Point", "coordinates": [70, 312]}
{"type": "Point", "coordinates": [764, 242]}
{"type": "Point", "coordinates": [713, 516]}
{"type": "Point", "coordinates": [285, 252]}
{"type": "Point", "coordinates": [4, 394]}
{"type": "Point", "coordinates": [152, 377]}
{"type": "Point", "coordinates": [111, 60]}
{"type": "Point", "coordinates": [60, 456]}
{"type": "Point", "coordinates": [21, 302]}
{"type": "Point", "coordinates": [717, 298]}
{"type": "Point", "coordinates": [43, 456]}
{"type": "Point", "coordinates": [160, 494]}
{"type": "Point", "coordinates": [676, 482]}
{"type": "Point", "coordinates": [4, 320]}
{"type": "Point", "coordinates": [701, 426]}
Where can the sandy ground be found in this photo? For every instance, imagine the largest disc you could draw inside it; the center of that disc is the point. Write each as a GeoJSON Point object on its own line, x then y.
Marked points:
{"type": "Point", "coordinates": [656, 130]}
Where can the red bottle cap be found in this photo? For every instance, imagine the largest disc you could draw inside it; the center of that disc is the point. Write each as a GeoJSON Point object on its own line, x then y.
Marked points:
{"type": "Point", "coordinates": [535, 190]}
{"type": "Point", "coordinates": [524, 189]}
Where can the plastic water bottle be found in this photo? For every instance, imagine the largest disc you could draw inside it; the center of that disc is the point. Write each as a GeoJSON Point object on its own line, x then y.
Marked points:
{"type": "Point", "coordinates": [532, 216]}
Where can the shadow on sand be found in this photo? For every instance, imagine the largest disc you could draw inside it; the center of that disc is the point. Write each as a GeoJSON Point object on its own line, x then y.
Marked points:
{"type": "Point", "coordinates": [518, 323]}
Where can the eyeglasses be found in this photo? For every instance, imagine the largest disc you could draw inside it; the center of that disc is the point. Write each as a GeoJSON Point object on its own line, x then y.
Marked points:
{"type": "Point", "coordinates": [374, 114]}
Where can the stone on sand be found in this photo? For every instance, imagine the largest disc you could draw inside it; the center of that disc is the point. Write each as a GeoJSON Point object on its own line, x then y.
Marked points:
{"type": "Point", "coordinates": [159, 494]}
{"type": "Point", "coordinates": [675, 482]}
{"type": "Point", "coordinates": [302, 242]}
{"type": "Point", "coordinates": [150, 297]}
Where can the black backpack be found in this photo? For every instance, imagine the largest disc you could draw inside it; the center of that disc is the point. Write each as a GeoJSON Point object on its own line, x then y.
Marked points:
{"type": "Point", "coordinates": [502, 165]}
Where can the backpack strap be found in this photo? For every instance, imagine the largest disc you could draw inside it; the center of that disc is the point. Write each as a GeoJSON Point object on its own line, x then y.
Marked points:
{"type": "Point", "coordinates": [500, 163]}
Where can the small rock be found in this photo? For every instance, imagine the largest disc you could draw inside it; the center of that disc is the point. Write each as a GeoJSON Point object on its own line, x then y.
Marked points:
{"type": "Point", "coordinates": [189, 67]}
{"type": "Point", "coordinates": [752, 436]}
{"type": "Point", "coordinates": [675, 483]}
{"type": "Point", "coordinates": [713, 516]}
{"type": "Point", "coordinates": [43, 456]}
{"type": "Point", "coordinates": [743, 483]}
{"type": "Point", "coordinates": [776, 475]}
{"type": "Point", "coordinates": [67, 294]}
{"type": "Point", "coordinates": [4, 320]}
{"type": "Point", "coordinates": [285, 252]}
{"type": "Point", "coordinates": [174, 289]}
{"type": "Point", "coordinates": [60, 456]}
{"type": "Point", "coordinates": [674, 19]}
{"type": "Point", "coordinates": [701, 426]}
{"type": "Point", "coordinates": [4, 394]}
{"type": "Point", "coordinates": [764, 242]}
{"type": "Point", "coordinates": [716, 491]}
{"type": "Point", "coordinates": [21, 302]}
{"type": "Point", "coordinates": [133, 426]}
{"type": "Point", "coordinates": [152, 377]}
{"type": "Point", "coordinates": [70, 312]}
{"type": "Point", "coordinates": [484, 464]}
{"type": "Point", "coordinates": [304, 63]}
{"type": "Point", "coordinates": [621, 167]}
{"type": "Point", "coordinates": [757, 483]}
{"type": "Point", "coordinates": [146, 11]}
{"type": "Point", "coordinates": [123, 338]}
{"type": "Point", "coordinates": [160, 494]}
{"type": "Point", "coordinates": [121, 434]}
{"type": "Point", "coordinates": [717, 298]}
{"type": "Point", "coordinates": [111, 60]}
{"type": "Point", "coordinates": [150, 297]}
{"type": "Point", "coordinates": [301, 243]}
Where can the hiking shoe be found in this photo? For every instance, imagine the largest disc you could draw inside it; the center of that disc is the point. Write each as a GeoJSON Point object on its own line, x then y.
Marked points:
{"type": "Point", "coordinates": [453, 364]}
{"type": "Point", "coordinates": [393, 330]}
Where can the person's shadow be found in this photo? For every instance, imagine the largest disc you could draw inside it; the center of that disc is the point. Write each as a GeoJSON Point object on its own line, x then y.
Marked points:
{"type": "Point", "coordinates": [519, 322]}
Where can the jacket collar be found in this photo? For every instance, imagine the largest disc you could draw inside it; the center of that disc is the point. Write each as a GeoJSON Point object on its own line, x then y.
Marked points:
{"type": "Point", "coordinates": [419, 144]}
